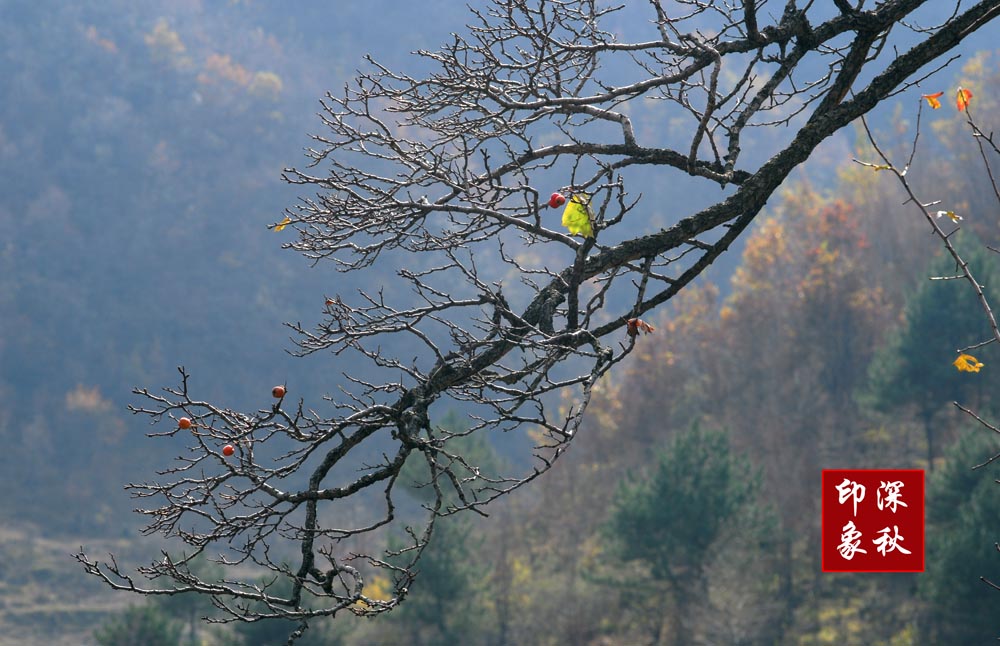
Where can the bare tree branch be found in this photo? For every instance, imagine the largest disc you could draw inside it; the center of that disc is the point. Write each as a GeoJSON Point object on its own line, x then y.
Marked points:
{"type": "Point", "coordinates": [446, 175]}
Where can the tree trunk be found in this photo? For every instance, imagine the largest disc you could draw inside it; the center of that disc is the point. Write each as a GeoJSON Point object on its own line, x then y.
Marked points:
{"type": "Point", "coordinates": [692, 594]}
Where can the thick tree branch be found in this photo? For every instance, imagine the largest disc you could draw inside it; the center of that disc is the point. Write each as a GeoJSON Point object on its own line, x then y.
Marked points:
{"type": "Point", "coordinates": [448, 176]}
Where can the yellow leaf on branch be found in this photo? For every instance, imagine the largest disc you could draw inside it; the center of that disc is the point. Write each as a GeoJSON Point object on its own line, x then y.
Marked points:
{"type": "Point", "coordinates": [967, 363]}
{"type": "Point", "coordinates": [951, 215]}
{"type": "Point", "coordinates": [577, 216]}
{"type": "Point", "coordinates": [284, 223]}
{"type": "Point", "coordinates": [963, 98]}
{"type": "Point", "coordinates": [933, 100]}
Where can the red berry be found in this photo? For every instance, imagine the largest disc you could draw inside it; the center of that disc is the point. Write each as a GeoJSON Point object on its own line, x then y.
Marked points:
{"type": "Point", "coordinates": [556, 200]}
{"type": "Point", "coordinates": [228, 450]}
{"type": "Point", "coordinates": [278, 392]}
{"type": "Point", "coordinates": [184, 423]}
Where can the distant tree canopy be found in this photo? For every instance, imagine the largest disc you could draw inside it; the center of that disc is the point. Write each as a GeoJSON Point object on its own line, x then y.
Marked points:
{"type": "Point", "coordinates": [449, 175]}
{"type": "Point", "coordinates": [963, 524]}
{"type": "Point", "coordinates": [705, 485]}
{"type": "Point", "coordinates": [139, 625]}
{"type": "Point", "coordinates": [700, 495]}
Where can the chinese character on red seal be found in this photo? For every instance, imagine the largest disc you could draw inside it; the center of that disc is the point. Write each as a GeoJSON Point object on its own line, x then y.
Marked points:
{"type": "Point", "coordinates": [873, 520]}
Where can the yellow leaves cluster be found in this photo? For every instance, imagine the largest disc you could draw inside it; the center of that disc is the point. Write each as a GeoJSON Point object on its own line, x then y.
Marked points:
{"type": "Point", "coordinates": [967, 363]}
{"type": "Point", "coordinates": [217, 71]}
{"type": "Point", "coordinates": [522, 577]}
{"type": "Point", "coordinates": [761, 255]}
{"type": "Point", "coordinates": [378, 588]}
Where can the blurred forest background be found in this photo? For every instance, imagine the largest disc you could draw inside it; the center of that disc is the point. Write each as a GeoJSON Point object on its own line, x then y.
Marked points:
{"type": "Point", "coordinates": [141, 146]}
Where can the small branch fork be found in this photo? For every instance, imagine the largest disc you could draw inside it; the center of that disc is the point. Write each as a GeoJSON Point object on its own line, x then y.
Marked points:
{"type": "Point", "coordinates": [443, 175]}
